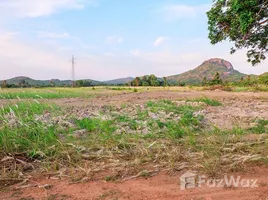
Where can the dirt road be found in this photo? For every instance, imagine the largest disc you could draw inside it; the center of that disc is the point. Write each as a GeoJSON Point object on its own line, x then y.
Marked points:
{"type": "Point", "coordinates": [160, 187]}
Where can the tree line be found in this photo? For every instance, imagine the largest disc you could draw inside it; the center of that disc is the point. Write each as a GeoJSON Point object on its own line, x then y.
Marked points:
{"type": "Point", "coordinates": [151, 80]}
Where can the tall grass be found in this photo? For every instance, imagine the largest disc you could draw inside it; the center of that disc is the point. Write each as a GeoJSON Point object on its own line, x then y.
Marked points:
{"type": "Point", "coordinates": [21, 133]}
{"type": "Point", "coordinates": [175, 143]}
{"type": "Point", "coordinates": [38, 93]}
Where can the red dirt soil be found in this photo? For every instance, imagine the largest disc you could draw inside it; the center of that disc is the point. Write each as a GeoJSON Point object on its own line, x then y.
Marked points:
{"type": "Point", "coordinates": [161, 186]}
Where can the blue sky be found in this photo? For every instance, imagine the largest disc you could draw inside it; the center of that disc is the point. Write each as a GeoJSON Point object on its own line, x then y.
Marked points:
{"type": "Point", "coordinates": [109, 38]}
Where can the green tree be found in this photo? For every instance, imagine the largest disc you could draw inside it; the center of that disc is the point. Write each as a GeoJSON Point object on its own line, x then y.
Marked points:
{"type": "Point", "coordinates": [79, 83]}
{"type": "Point", "coordinates": [144, 81]}
{"type": "Point", "coordinates": [4, 84]}
{"type": "Point", "coordinates": [52, 83]}
{"type": "Point", "coordinates": [204, 81]}
{"type": "Point", "coordinates": [263, 79]}
{"type": "Point", "coordinates": [22, 83]}
{"type": "Point", "coordinates": [152, 80]}
{"type": "Point", "coordinates": [137, 81]}
{"type": "Point", "coordinates": [165, 83]}
{"type": "Point", "coordinates": [217, 79]}
{"type": "Point", "coordinates": [244, 22]}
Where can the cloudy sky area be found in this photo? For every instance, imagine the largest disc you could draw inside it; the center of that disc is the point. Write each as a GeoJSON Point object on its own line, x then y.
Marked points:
{"type": "Point", "coordinates": [109, 38]}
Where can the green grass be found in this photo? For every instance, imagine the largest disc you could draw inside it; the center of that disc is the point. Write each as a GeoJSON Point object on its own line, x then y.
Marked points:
{"type": "Point", "coordinates": [255, 88]}
{"type": "Point", "coordinates": [169, 106]}
{"type": "Point", "coordinates": [208, 101]}
{"type": "Point", "coordinates": [26, 135]}
{"type": "Point", "coordinates": [45, 93]}
{"type": "Point", "coordinates": [261, 127]}
{"type": "Point", "coordinates": [96, 125]}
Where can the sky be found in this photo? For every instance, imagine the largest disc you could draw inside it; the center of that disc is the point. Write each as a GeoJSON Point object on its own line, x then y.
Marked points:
{"type": "Point", "coordinates": [109, 38]}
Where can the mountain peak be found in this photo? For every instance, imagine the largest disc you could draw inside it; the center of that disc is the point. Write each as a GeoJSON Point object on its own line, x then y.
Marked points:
{"type": "Point", "coordinates": [207, 70]}
{"type": "Point", "coordinates": [219, 61]}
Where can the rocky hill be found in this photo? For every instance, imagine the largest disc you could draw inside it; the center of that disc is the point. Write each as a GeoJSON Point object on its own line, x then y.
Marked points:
{"type": "Point", "coordinates": [208, 69]}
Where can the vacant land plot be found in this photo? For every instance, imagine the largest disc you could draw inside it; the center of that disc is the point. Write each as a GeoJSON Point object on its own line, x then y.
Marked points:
{"type": "Point", "coordinates": [125, 143]}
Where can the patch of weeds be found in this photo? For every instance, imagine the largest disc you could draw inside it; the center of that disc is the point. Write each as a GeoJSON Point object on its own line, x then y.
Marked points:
{"type": "Point", "coordinates": [192, 140]}
{"type": "Point", "coordinates": [135, 90]}
{"type": "Point", "coordinates": [261, 127]}
{"type": "Point", "coordinates": [210, 102]}
{"type": "Point", "coordinates": [166, 101]}
{"type": "Point", "coordinates": [35, 141]}
{"type": "Point", "coordinates": [119, 88]}
{"type": "Point", "coordinates": [183, 125]}
{"type": "Point", "coordinates": [96, 125]}
{"type": "Point", "coordinates": [123, 106]}
{"type": "Point", "coordinates": [175, 130]}
{"type": "Point", "coordinates": [142, 115]}
{"type": "Point", "coordinates": [26, 110]}
{"type": "Point", "coordinates": [132, 123]}
{"type": "Point", "coordinates": [238, 131]}
{"type": "Point", "coordinates": [108, 107]}
{"type": "Point", "coordinates": [169, 106]}
{"type": "Point", "coordinates": [188, 119]}
{"type": "Point", "coordinates": [160, 124]}
{"type": "Point", "coordinates": [112, 178]}
{"type": "Point", "coordinates": [25, 135]}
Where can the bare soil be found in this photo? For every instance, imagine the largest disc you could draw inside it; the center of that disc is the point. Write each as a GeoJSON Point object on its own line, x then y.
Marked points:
{"type": "Point", "coordinates": [239, 109]}
{"type": "Point", "coordinates": [162, 186]}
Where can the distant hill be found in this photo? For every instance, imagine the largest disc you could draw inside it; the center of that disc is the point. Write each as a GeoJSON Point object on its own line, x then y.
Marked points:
{"type": "Point", "coordinates": [119, 81]}
{"type": "Point", "coordinates": [42, 83]}
{"type": "Point", "coordinates": [208, 69]}
{"type": "Point", "coordinates": [26, 81]}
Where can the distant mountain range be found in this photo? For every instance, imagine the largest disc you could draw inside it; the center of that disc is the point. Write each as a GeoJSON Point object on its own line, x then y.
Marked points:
{"type": "Point", "coordinates": [56, 82]}
{"type": "Point", "coordinates": [207, 69]}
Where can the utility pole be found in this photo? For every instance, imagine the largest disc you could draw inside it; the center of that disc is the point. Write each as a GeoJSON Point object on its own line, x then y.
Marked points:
{"type": "Point", "coordinates": [73, 70]}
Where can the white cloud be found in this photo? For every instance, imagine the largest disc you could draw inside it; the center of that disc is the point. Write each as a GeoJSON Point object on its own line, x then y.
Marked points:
{"type": "Point", "coordinates": [38, 8]}
{"type": "Point", "coordinates": [135, 52]}
{"type": "Point", "coordinates": [30, 60]}
{"type": "Point", "coordinates": [180, 11]}
{"type": "Point", "coordinates": [44, 34]}
{"type": "Point", "coordinates": [114, 40]}
{"type": "Point", "coordinates": [109, 54]}
{"type": "Point", "coordinates": [7, 35]}
{"type": "Point", "coordinates": [160, 40]}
